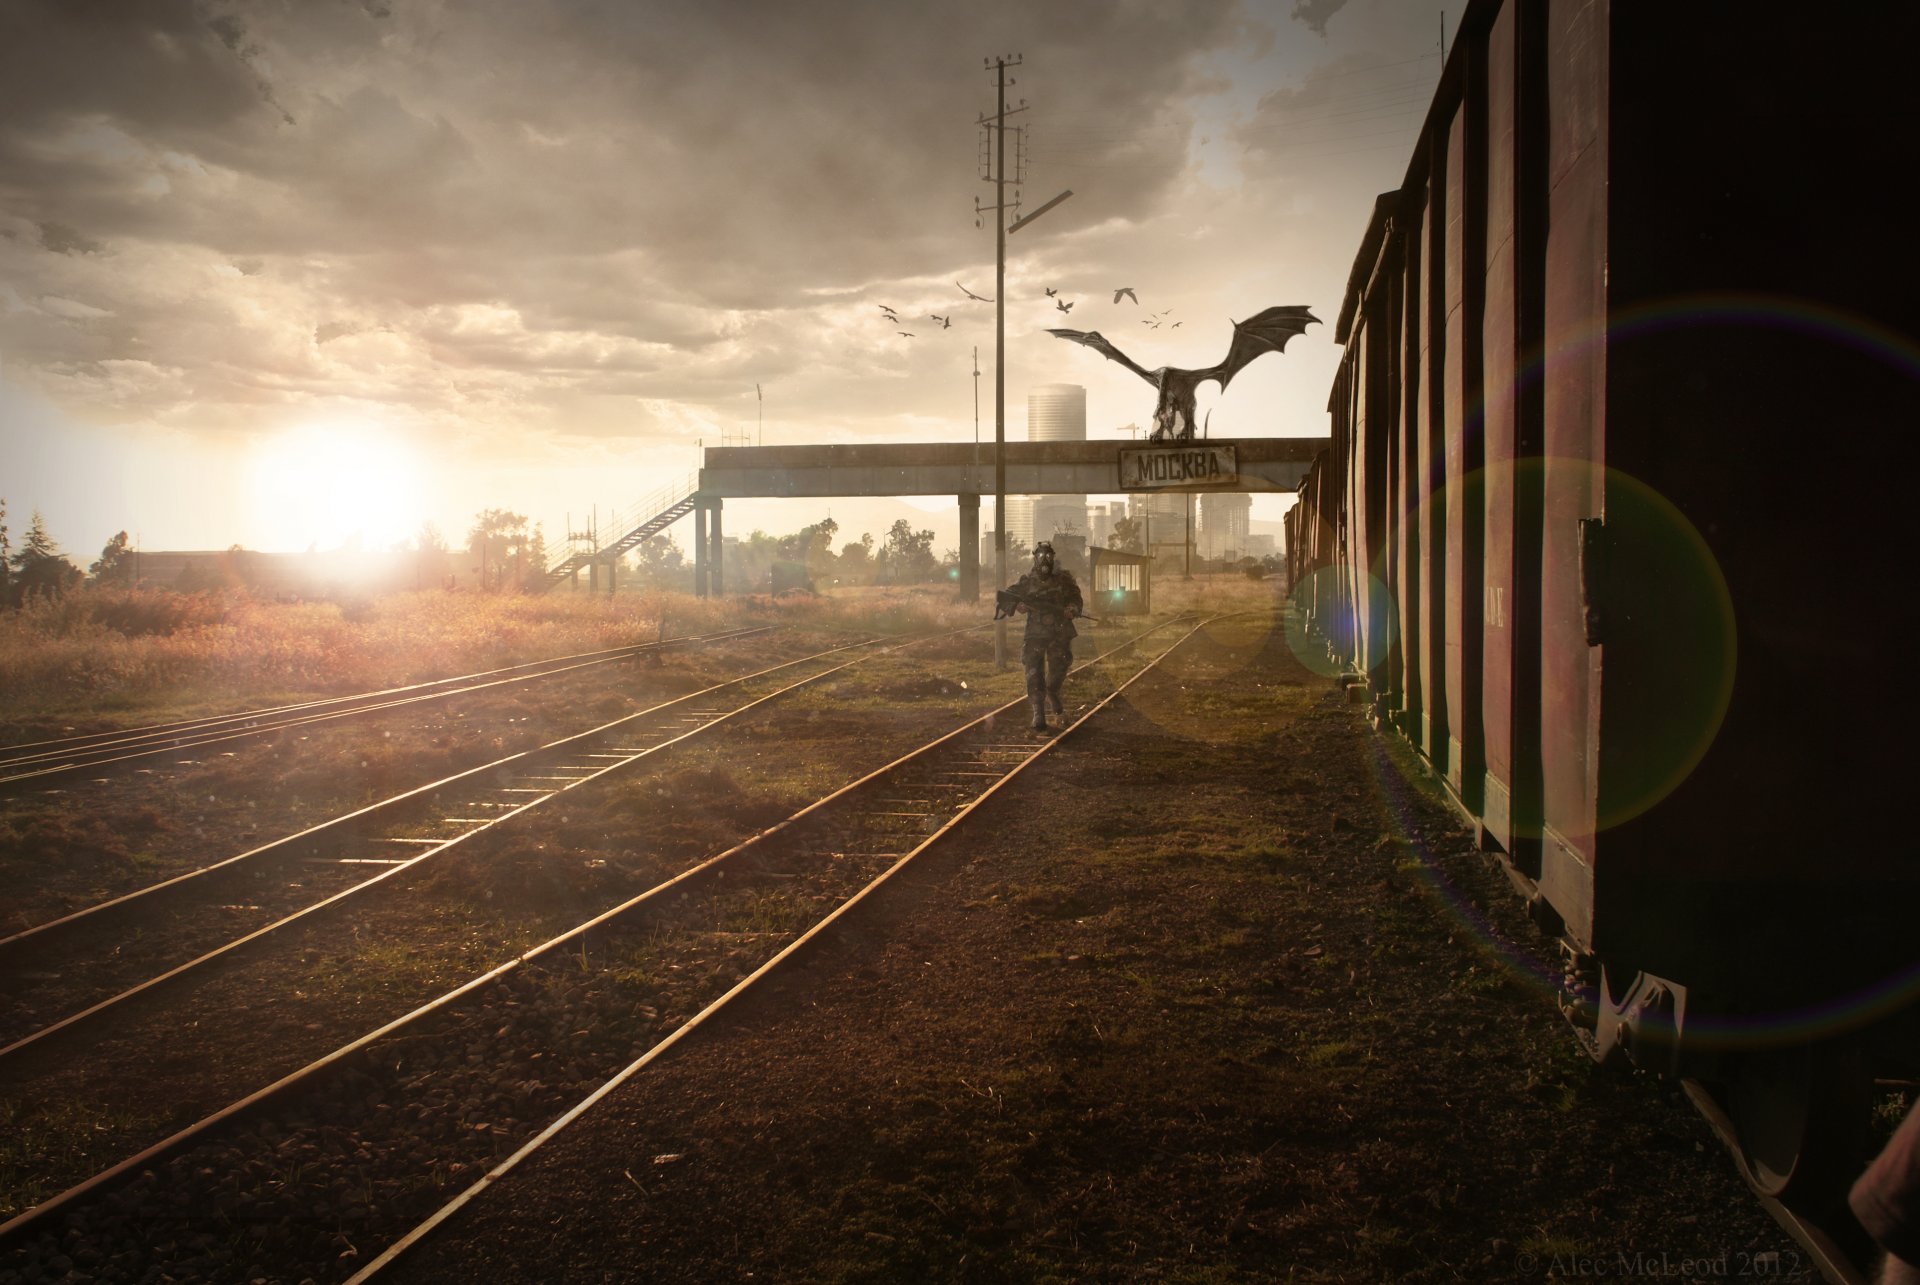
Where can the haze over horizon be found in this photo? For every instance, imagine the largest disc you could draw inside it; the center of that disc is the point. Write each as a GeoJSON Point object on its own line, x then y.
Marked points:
{"type": "Point", "coordinates": [292, 275]}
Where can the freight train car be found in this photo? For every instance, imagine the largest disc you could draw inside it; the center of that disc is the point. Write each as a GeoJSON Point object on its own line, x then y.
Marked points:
{"type": "Point", "coordinates": [1611, 529]}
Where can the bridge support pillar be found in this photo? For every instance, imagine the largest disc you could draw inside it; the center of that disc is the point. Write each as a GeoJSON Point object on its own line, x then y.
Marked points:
{"type": "Point", "coordinates": [969, 547]}
{"type": "Point", "coordinates": [700, 548]}
{"type": "Point", "coordinates": [709, 571]}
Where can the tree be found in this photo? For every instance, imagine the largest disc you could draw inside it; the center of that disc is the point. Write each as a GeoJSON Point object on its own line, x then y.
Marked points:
{"type": "Point", "coordinates": [1126, 536]}
{"type": "Point", "coordinates": [909, 553]}
{"type": "Point", "coordinates": [659, 561]}
{"type": "Point", "coordinates": [40, 569]}
{"type": "Point", "coordinates": [495, 534]}
{"type": "Point", "coordinates": [811, 546]}
{"type": "Point", "coordinates": [432, 560]}
{"type": "Point", "coordinates": [537, 556]}
{"type": "Point", "coordinates": [116, 562]}
{"type": "Point", "coordinates": [856, 559]}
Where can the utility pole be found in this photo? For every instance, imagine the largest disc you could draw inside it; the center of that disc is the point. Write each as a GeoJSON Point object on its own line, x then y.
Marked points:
{"type": "Point", "coordinates": [759, 397]}
{"type": "Point", "coordinates": [976, 394]}
{"type": "Point", "coordinates": [997, 175]}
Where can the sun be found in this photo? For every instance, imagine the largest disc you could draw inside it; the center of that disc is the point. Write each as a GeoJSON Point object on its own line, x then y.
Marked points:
{"type": "Point", "coordinates": [333, 484]}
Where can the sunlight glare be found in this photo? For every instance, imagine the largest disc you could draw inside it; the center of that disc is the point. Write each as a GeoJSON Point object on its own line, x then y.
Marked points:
{"type": "Point", "coordinates": [332, 484]}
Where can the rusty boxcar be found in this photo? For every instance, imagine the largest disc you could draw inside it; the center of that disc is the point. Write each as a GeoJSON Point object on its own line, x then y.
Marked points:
{"type": "Point", "coordinates": [1610, 530]}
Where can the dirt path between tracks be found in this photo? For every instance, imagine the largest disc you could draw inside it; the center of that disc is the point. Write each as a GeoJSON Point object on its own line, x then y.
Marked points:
{"type": "Point", "coordinates": [1217, 994]}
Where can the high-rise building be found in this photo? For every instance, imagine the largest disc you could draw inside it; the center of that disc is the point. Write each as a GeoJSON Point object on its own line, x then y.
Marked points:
{"type": "Point", "coordinates": [1055, 413]}
{"type": "Point", "coordinates": [1223, 524]}
{"type": "Point", "coordinates": [1163, 518]}
{"type": "Point", "coordinates": [1019, 522]}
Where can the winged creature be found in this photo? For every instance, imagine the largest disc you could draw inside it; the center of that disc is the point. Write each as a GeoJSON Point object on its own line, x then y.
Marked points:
{"type": "Point", "coordinates": [1063, 305]}
{"type": "Point", "coordinates": [978, 298]}
{"type": "Point", "coordinates": [1264, 332]}
{"type": "Point", "coordinates": [1128, 292]}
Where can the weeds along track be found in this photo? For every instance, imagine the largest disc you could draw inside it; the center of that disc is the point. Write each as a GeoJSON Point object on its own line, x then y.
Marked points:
{"type": "Point", "coordinates": [66, 848]}
{"type": "Point", "coordinates": [126, 951]}
{"type": "Point", "coordinates": [33, 765]}
{"type": "Point", "coordinates": [334, 1169]}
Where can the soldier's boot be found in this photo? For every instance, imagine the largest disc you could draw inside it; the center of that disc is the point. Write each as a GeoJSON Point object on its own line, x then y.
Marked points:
{"type": "Point", "coordinates": [1053, 699]}
{"type": "Point", "coordinates": [1037, 699]}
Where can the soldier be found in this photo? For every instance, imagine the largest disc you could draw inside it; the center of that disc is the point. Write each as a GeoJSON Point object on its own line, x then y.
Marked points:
{"type": "Point", "coordinates": [1050, 597]}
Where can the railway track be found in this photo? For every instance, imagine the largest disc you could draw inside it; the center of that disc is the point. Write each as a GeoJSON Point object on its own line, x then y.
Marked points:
{"type": "Point", "coordinates": [361, 1153]}
{"type": "Point", "coordinates": [89, 964]}
{"type": "Point", "coordinates": [35, 764]}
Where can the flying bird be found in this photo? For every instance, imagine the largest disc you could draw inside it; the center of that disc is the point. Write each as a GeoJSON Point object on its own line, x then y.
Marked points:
{"type": "Point", "coordinates": [971, 295]}
{"type": "Point", "coordinates": [1051, 292]}
{"type": "Point", "coordinates": [1263, 332]}
{"type": "Point", "coordinates": [891, 314]}
{"type": "Point", "coordinates": [1063, 305]}
{"type": "Point", "coordinates": [1176, 325]}
{"type": "Point", "coordinates": [946, 323]}
{"type": "Point", "coordinates": [1128, 292]}
{"type": "Point", "coordinates": [907, 333]}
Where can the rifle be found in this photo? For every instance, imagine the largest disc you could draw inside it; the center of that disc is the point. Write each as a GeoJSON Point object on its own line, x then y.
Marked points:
{"type": "Point", "coordinates": [1005, 599]}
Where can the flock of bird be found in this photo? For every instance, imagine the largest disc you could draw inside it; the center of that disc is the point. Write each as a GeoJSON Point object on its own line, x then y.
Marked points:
{"type": "Point", "coordinates": [1152, 321]}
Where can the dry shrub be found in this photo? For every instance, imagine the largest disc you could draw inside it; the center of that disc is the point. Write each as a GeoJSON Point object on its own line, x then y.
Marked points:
{"type": "Point", "coordinates": [133, 654]}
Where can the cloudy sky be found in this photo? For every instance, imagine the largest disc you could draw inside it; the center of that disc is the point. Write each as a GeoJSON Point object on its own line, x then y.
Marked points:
{"type": "Point", "coordinates": [280, 272]}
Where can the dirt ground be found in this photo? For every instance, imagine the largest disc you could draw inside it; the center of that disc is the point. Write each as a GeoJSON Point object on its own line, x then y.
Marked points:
{"type": "Point", "coordinates": [1218, 991]}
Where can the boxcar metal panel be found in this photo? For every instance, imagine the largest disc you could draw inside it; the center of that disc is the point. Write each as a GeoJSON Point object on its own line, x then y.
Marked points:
{"type": "Point", "coordinates": [1574, 499]}
{"type": "Point", "coordinates": [1432, 444]}
{"type": "Point", "coordinates": [1375, 412]}
{"type": "Point", "coordinates": [1361, 533]}
{"type": "Point", "coordinates": [1407, 449]}
{"type": "Point", "coordinates": [1386, 331]}
{"type": "Point", "coordinates": [1499, 355]}
{"type": "Point", "coordinates": [1465, 257]}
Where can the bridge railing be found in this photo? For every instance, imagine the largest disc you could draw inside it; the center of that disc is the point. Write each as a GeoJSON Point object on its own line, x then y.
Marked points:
{"type": "Point", "coordinates": [624, 521]}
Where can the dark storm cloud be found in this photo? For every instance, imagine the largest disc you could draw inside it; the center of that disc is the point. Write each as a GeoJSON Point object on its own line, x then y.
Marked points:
{"type": "Point", "coordinates": [61, 239]}
{"type": "Point", "coordinates": [1315, 13]}
{"type": "Point", "coordinates": [643, 187]}
{"type": "Point", "coordinates": [747, 140]}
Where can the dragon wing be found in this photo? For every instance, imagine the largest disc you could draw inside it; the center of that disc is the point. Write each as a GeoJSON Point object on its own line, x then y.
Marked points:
{"type": "Point", "coordinates": [1263, 332]}
{"type": "Point", "coordinates": [1098, 342]}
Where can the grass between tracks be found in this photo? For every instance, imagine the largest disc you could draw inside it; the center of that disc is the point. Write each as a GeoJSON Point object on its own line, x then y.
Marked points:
{"type": "Point", "coordinates": [118, 658]}
{"type": "Point", "coordinates": [1216, 994]}
{"type": "Point", "coordinates": [710, 799]}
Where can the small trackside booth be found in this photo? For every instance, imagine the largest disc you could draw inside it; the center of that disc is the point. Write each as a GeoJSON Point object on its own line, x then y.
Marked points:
{"type": "Point", "coordinates": [1121, 584]}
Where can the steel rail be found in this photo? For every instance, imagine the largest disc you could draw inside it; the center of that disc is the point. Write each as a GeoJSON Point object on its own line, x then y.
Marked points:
{"type": "Point", "coordinates": [146, 989]}
{"type": "Point", "coordinates": [212, 1125]}
{"type": "Point", "coordinates": [785, 957]}
{"type": "Point", "coordinates": [325, 829]}
{"type": "Point", "coordinates": [150, 730]}
{"type": "Point", "coordinates": [21, 780]}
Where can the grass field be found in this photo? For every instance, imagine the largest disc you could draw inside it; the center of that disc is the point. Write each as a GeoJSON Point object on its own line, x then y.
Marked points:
{"type": "Point", "coordinates": [103, 658]}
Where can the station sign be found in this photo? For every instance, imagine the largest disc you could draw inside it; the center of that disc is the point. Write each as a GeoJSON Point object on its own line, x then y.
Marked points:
{"type": "Point", "coordinates": [1158, 468]}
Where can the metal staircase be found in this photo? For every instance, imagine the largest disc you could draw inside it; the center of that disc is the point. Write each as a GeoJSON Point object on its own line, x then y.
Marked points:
{"type": "Point", "coordinates": [647, 518]}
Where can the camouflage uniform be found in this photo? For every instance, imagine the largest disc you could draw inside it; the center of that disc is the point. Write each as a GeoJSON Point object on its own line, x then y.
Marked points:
{"type": "Point", "coordinates": [1047, 651]}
